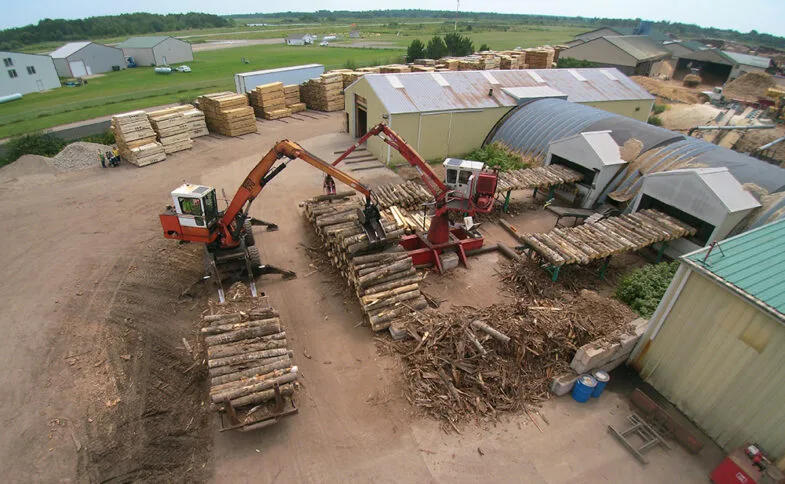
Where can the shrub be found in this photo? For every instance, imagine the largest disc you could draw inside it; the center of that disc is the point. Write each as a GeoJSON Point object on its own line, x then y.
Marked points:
{"type": "Point", "coordinates": [105, 138]}
{"type": "Point", "coordinates": [350, 64]}
{"type": "Point", "coordinates": [483, 48]}
{"type": "Point", "coordinates": [655, 120]}
{"type": "Point", "coordinates": [643, 288]}
{"type": "Point", "coordinates": [44, 144]}
{"type": "Point", "coordinates": [569, 62]}
{"type": "Point", "coordinates": [415, 51]}
{"type": "Point", "coordinates": [659, 108]}
{"type": "Point", "coordinates": [497, 155]}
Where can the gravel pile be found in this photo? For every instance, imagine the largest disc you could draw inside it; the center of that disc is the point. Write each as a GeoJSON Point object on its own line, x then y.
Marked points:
{"type": "Point", "coordinates": [78, 156]}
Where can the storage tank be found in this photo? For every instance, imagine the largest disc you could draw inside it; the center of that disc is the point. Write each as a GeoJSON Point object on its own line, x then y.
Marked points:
{"type": "Point", "coordinates": [10, 97]}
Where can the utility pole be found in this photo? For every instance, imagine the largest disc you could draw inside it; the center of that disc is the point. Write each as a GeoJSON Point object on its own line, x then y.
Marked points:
{"type": "Point", "coordinates": [457, 7]}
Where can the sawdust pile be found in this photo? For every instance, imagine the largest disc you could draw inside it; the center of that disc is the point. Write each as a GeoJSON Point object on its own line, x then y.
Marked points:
{"type": "Point", "coordinates": [749, 87]}
{"type": "Point", "coordinates": [455, 371]}
{"type": "Point", "coordinates": [667, 90]}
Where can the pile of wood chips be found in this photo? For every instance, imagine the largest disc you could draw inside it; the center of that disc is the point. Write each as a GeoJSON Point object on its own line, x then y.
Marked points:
{"type": "Point", "coordinates": [471, 364]}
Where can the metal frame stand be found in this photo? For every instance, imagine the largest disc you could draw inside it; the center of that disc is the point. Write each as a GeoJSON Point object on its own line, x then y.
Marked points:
{"type": "Point", "coordinates": [640, 428]}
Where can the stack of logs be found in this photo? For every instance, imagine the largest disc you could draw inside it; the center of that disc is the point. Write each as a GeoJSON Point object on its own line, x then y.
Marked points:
{"type": "Point", "coordinates": [292, 98]}
{"type": "Point", "coordinates": [135, 139]}
{"type": "Point", "coordinates": [324, 92]}
{"type": "Point", "coordinates": [385, 279]}
{"type": "Point", "coordinates": [269, 101]}
{"type": "Point", "coordinates": [538, 177]}
{"type": "Point", "coordinates": [409, 194]}
{"type": "Point", "coordinates": [247, 358]}
{"type": "Point", "coordinates": [228, 113]}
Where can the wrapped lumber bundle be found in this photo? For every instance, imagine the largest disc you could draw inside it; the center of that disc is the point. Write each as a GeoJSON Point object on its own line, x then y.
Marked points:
{"type": "Point", "coordinates": [248, 362]}
{"type": "Point", "coordinates": [409, 194]}
{"type": "Point", "coordinates": [228, 113]}
{"type": "Point", "coordinates": [323, 93]}
{"type": "Point", "coordinates": [136, 139]}
{"type": "Point", "coordinates": [385, 280]}
{"type": "Point", "coordinates": [394, 69]}
{"type": "Point", "coordinates": [172, 130]}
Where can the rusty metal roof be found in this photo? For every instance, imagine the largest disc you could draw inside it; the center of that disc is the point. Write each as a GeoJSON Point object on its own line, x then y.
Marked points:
{"type": "Point", "coordinates": [424, 92]}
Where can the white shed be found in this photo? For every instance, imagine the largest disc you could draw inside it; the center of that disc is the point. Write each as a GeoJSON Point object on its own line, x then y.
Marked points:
{"type": "Point", "coordinates": [157, 51]}
{"type": "Point", "coordinates": [25, 73]}
{"type": "Point", "coordinates": [594, 154]}
{"type": "Point", "coordinates": [709, 199]}
{"type": "Point", "coordinates": [300, 39]}
{"type": "Point", "coordinates": [77, 59]}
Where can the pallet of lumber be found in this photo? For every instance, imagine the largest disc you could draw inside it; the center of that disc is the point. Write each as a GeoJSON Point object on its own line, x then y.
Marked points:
{"type": "Point", "coordinates": [323, 93]}
{"type": "Point", "coordinates": [267, 99]}
{"type": "Point", "coordinates": [146, 154]}
{"type": "Point", "coordinates": [291, 94]}
{"type": "Point", "coordinates": [540, 58]}
{"type": "Point", "coordinates": [384, 280]}
{"type": "Point", "coordinates": [537, 177]}
{"type": "Point", "coordinates": [172, 131]}
{"type": "Point", "coordinates": [394, 69]}
{"type": "Point", "coordinates": [228, 113]}
{"type": "Point", "coordinates": [136, 139]}
{"type": "Point", "coordinates": [277, 113]}
{"type": "Point", "coordinates": [297, 107]}
{"type": "Point", "coordinates": [194, 118]}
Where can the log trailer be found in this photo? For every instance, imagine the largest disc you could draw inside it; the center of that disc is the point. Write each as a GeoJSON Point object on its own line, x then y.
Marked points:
{"type": "Point", "coordinates": [230, 248]}
{"type": "Point", "coordinates": [468, 189]}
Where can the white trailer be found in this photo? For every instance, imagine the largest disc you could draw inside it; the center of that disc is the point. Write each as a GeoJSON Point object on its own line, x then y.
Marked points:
{"type": "Point", "coordinates": [247, 81]}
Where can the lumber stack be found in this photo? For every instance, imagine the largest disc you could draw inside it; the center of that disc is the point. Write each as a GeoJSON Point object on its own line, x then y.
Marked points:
{"type": "Point", "coordinates": [607, 237]}
{"type": "Point", "coordinates": [385, 280]}
{"type": "Point", "coordinates": [537, 177]}
{"type": "Point", "coordinates": [247, 357]}
{"type": "Point", "coordinates": [269, 101]}
{"type": "Point", "coordinates": [136, 140]}
{"type": "Point", "coordinates": [228, 113]}
{"type": "Point", "coordinates": [172, 131]}
{"type": "Point", "coordinates": [409, 194]}
{"type": "Point", "coordinates": [541, 58]}
{"type": "Point", "coordinates": [292, 98]}
{"type": "Point", "coordinates": [194, 119]}
{"type": "Point", "coordinates": [394, 69]}
{"type": "Point", "coordinates": [416, 68]}
{"type": "Point", "coordinates": [323, 93]}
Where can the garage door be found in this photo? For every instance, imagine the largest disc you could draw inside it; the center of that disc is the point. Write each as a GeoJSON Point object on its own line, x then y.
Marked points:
{"type": "Point", "coordinates": [77, 68]}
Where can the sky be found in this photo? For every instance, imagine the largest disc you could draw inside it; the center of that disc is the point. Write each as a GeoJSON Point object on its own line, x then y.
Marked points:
{"type": "Point", "coordinates": [742, 15]}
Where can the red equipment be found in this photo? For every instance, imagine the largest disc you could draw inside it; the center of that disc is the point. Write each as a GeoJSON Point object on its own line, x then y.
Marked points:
{"type": "Point", "coordinates": [440, 236]}
{"type": "Point", "coordinates": [746, 465]}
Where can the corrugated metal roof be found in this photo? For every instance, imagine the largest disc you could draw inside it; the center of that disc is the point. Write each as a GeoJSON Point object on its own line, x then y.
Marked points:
{"type": "Point", "coordinates": [749, 60]}
{"type": "Point", "coordinates": [752, 264]}
{"type": "Point", "coordinates": [639, 46]}
{"type": "Point", "coordinates": [68, 49]}
{"type": "Point", "coordinates": [142, 42]}
{"type": "Point", "coordinates": [710, 55]}
{"type": "Point", "coordinates": [720, 181]}
{"type": "Point", "coordinates": [694, 45]}
{"type": "Point", "coordinates": [469, 89]}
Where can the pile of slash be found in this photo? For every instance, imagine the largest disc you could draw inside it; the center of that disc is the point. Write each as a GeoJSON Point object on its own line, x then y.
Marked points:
{"type": "Point", "coordinates": [472, 364]}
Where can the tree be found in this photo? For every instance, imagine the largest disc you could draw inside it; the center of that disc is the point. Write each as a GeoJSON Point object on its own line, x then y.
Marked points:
{"type": "Point", "coordinates": [458, 45]}
{"type": "Point", "coordinates": [416, 50]}
{"type": "Point", "coordinates": [484, 47]}
{"type": "Point", "coordinates": [436, 48]}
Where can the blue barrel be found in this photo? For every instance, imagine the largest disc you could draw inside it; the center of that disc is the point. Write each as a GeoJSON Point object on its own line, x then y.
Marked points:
{"type": "Point", "coordinates": [584, 385]}
{"type": "Point", "coordinates": [602, 378]}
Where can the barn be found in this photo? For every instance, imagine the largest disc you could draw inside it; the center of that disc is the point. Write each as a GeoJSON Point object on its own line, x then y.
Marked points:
{"type": "Point", "coordinates": [448, 114]}
{"type": "Point", "coordinates": [715, 346]}
{"type": "Point", "coordinates": [157, 51]}
{"type": "Point", "coordinates": [25, 73]}
{"type": "Point", "coordinates": [636, 55]}
{"type": "Point", "coordinates": [78, 59]}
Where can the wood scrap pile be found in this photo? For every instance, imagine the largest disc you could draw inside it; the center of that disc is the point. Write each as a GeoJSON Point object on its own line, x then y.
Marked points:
{"type": "Point", "coordinates": [537, 177]}
{"type": "Point", "coordinates": [172, 130]}
{"type": "Point", "coordinates": [323, 93]}
{"type": "Point", "coordinates": [472, 364]}
{"type": "Point", "coordinates": [136, 140]}
{"type": "Point", "coordinates": [409, 194]}
{"type": "Point", "coordinates": [228, 113]}
{"type": "Point", "coordinates": [610, 236]}
{"type": "Point", "coordinates": [384, 279]}
{"type": "Point", "coordinates": [291, 94]}
{"type": "Point", "coordinates": [269, 101]}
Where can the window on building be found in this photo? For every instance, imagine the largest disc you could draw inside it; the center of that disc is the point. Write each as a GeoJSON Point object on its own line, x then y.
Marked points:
{"type": "Point", "coordinates": [12, 73]}
{"type": "Point", "coordinates": [31, 70]}
{"type": "Point", "coordinates": [8, 62]}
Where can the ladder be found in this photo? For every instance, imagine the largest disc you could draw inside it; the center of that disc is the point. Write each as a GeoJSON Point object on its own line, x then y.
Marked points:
{"type": "Point", "coordinates": [647, 434]}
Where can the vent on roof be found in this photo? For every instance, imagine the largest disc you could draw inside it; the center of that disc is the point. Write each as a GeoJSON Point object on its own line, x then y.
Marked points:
{"type": "Point", "coordinates": [490, 77]}
{"type": "Point", "coordinates": [576, 75]}
{"type": "Point", "coordinates": [608, 75]}
{"type": "Point", "coordinates": [536, 77]}
{"type": "Point", "coordinates": [394, 81]}
{"type": "Point", "coordinates": [440, 79]}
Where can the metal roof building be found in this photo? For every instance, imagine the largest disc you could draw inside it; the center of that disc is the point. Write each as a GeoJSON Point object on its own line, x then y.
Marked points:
{"type": "Point", "coordinates": [157, 50]}
{"type": "Point", "coordinates": [631, 54]}
{"type": "Point", "coordinates": [444, 114]}
{"type": "Point", "coordinates": [25, 73]}
{"type": "Point", "coordinates": [747, 63]}
{"type": "Point", "coordinates": [78, 59]}
{"type": "Point", "coordinates": [715, 346]}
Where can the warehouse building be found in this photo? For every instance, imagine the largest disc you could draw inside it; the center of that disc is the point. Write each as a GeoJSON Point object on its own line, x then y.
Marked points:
{"type": "Point", "coordinates": [157, 51]}
{"type": "Point", "coordinates": [634, 55]}
{"type": "Point", "coordinates": [78, 59]}
{"type": "Point", "coordinates": [26, 73]}
{"type": "Point", "coordinates": [448, 114]}
{"type": "Point", "coordinates": [715, 346]}
{"type": "Point", "coordinates": [713, 65]}
{"type": "Point", "coordinates": [747, 63]}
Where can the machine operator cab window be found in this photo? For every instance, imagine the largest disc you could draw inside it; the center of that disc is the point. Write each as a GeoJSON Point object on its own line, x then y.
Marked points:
{"type": "Point", "coordinates": [196, 205]}
{"type": "Point", "coordinates": [460, 175]}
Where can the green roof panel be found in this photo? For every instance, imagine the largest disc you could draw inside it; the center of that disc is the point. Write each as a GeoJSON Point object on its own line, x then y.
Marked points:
{"type": "Point", "coordinates": [142, 42]}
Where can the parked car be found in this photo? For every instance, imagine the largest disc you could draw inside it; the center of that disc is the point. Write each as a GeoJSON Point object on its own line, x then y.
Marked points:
{"type": "Point", "coordinates": [324, 43]}
{"type": "Point", "coordinates": [183, 69]}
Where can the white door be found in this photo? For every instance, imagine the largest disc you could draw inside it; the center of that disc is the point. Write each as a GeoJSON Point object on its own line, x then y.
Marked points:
{"type": "Point", "coordinates": [77, 68]}
{"type": "Point", "coordinates": [39, 84]}
{"type": "Point", "coordinates": [89, 71]}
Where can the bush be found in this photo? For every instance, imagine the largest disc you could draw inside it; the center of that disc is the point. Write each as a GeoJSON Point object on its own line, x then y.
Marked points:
{"type": "Point", "coordinates": [497, 155]}
{"type": "Point", "coordinates": [643, 288]}
{"type": "Point", "coordinates": [350, 64]}
{"type": "Point", "coordinates": [655, 120]}
{"type": "Point", "coordinates": [44, 144]}
{"type": "Point", "coordinates": [483, 48]}
{"type": "Point", "coordinates": [569, 63]}
{"type": "Point", "coordinates": [659, 108]}
{"type": "Point", "coordinates": [105, 138]}
{"type": "Point", "coordinates": [415, 51]}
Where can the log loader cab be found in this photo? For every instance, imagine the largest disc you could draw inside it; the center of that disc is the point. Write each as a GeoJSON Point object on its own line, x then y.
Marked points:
{"type": "Point", "coordinates": [470, 181]}
{"type": "Point", "coordinates": [193, 214]}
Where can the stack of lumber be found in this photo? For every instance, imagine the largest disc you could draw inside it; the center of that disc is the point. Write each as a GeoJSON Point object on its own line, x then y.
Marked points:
{"type": "Point", "coordinates": [453, 64]}
{"type": "Point", "coordinates": [610, 236]}
{"type": "Point", "coordinates": [416, 68]}
{"type": "Point", "coordinates": [269, 102]}
{"type": "Point", "coordinates": [470, 64]}
{"type": "Point", "coordinates": [369, 70]}
{"type": "Point", "coordinates": [292, 98]}
{"type": "Point", "coordinates": [228, 113]}
{"type": "Point", "coordinates": [194, 118]}
{"type": "Point", "coordinates": [349, 77]}
{"type": "Point", "coordinates": [425, 62]}
{"type": "Point", "coordinates": [172, 130]}
{"type": "Point", "coordinates": [410, 195]}
{"type": "Point", "coordinates": [136, 140]}
{"type": "Point", "coordinates": [507, 62]}
{"type": "Point", "coordinates": [541, 58]}
{"type": "Point", "coordinates": [323, 93]}
{"type": "Point", "coordinates": [538, 177]}
{"type": "Point", "coordinates": [412, 221]}
{"type": "Point", "coordinates": [385, 280]}
{"type": "Point", "coordinates": [247, 357]}
{"type": "Point", "coordinates": [394, 69]}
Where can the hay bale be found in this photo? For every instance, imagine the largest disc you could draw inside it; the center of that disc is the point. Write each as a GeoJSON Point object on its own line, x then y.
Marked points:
{"type": "Point", "coordinates": [692, 80]}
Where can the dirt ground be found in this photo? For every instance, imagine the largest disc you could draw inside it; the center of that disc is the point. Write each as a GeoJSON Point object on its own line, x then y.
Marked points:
{"type": "Point", "coordinates": [100, 386]}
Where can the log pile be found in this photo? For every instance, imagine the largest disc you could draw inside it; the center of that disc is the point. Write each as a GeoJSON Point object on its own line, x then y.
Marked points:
{"type": "Point", "coordinates": [292, 97]}
{"type": "Point", "coordinates": [610, 236]}
{"type": "Point", "coordinates": [323, 93]}
{"type": "Point", "coordinates": [538, 177]}
{"type": "Point", "coordinates": [385, 280]}
{"type": "Point", "coordinates": [409, 194]}
{"type": "Point", "coordinates": [412, 221]}
{"type": "Point", "coordinates": [136, 140]}
{"type": "Point", "coordinates": [172, 130]}
{"type": "Point", "coordinates": [247, 358]}
{"type": "Point", "coordinates": [228, 113]}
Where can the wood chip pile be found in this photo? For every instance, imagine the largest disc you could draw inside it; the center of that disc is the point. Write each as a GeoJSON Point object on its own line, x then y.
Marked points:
{"type": "Point", "coordinates": [471, 364]}
{"type": "Point", "coordinates": [292, 97]}
{"type": "Point", "coordinates": [269, 101]}
{"type": "Point", "coordinates": [172, 130]}
{"type": "Point", "coordinates": [136, 140]}
{"type": "Point", "coordinates": [610, 236]}
{"type": "Point", "coordinates": [385, 280]}
{"type": "Point", "coordinates": [409, 194]}
{"type": "Point", "coordinates": [538, 177]}
{"type": "Point", "coordinates": [228, 113]}
{"type": "Point", "coordinates": [323, 93]}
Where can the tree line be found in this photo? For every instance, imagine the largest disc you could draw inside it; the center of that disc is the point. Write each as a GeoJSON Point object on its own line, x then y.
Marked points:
{"type": "Point", "coordinates": [51, 30]}
{"type": "Point", "coordinates": [453, 44]}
